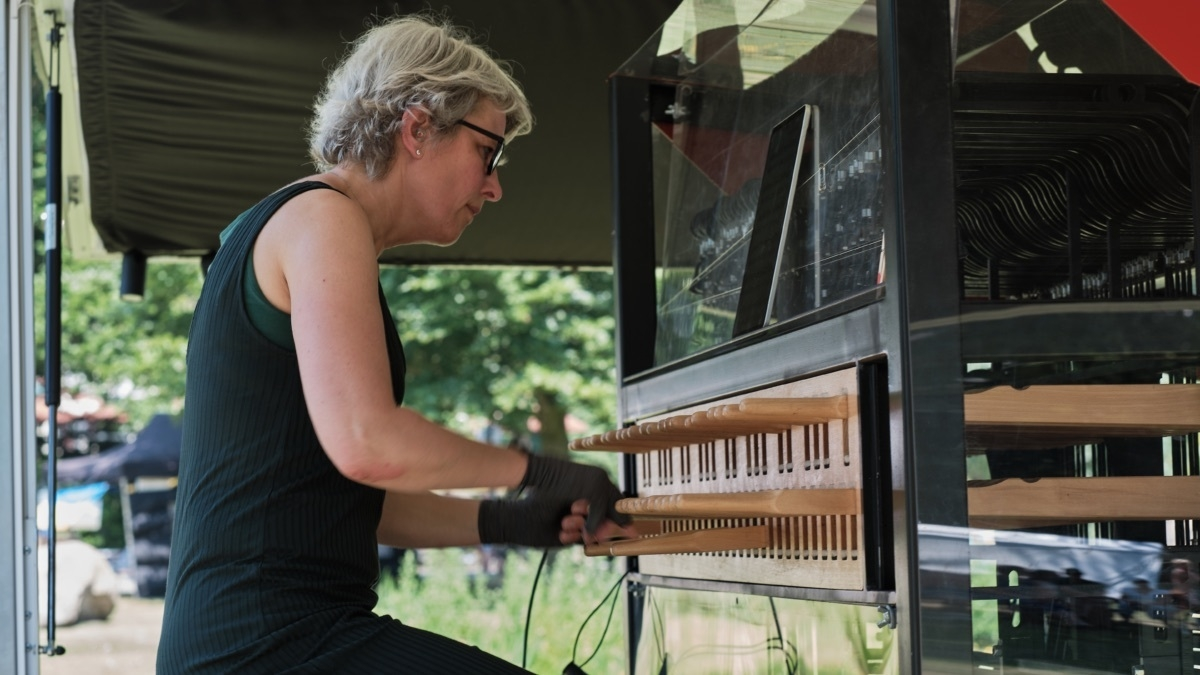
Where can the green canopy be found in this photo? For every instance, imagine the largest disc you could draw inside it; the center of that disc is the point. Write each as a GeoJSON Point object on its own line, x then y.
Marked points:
{"type": "Point", "coordinates": [192, 110]}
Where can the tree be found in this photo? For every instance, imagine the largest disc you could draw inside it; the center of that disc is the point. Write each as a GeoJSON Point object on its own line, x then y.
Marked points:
{"type": "Point", "coordinates": [130, 353]}
{"type": "Point", "coordinates": [519, 341]}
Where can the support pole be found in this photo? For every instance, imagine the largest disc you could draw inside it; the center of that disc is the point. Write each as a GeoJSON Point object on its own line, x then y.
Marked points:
{"type": "Point", "coordinates": [53, 272]}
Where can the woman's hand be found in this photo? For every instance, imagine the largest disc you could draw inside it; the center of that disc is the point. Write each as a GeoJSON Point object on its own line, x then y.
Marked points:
{"type": "Point", "coordinates": [542, 522]}
{"type": "Point", "coordinates": [551, 477]}
{"type": "Point", "coordinates": [573, 527]}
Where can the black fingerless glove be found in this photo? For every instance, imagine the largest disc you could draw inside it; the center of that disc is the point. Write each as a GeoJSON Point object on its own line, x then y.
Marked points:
{"type": "Point", "coordinates": [534, 521]}
{"type": "Point", "coordinates": [571, 481]}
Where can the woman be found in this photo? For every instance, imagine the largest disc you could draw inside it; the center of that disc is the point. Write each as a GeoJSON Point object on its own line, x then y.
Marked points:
{"type": "Point", "coordinates": [297, 456]}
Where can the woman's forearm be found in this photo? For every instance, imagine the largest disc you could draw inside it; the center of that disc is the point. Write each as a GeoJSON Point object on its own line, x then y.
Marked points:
{"type": "Point", "coordinates": [408, 453]}
{"type": "Point", "coordinates": [427, 520]}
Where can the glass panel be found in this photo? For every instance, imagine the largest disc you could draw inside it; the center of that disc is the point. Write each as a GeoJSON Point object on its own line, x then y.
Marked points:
{"type": "Point", "coordinates": [1074, 185]}
{"type": "Point", "coordinates": [766, 161]}
{"type": "Point", "coordinates": [702, 632]}
{"type": "Point", "coordinates": [1082, 492]}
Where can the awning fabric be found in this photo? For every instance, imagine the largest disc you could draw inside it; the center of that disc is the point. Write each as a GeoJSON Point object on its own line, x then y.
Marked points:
{"type": "Point", "coordinates": [192, 110]}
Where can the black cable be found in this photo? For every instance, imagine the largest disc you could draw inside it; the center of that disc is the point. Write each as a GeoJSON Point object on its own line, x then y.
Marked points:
{"type": "Point", "coordinates": [529, 612]}
{"type": "Point", "coordinates": [611, 592]}
{"type": "Point", "coordinates": [660, 639]}
{"type": "Point", "coordinates": [783, 644]}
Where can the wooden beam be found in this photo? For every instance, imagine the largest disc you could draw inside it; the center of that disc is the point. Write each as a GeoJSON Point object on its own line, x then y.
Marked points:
{"type": "Point", "coordinates": [1014, 502]}
{"type": "Point", "coordinates": [1091, 410]}
{"type": "Point", "coordinates": [694, 541]}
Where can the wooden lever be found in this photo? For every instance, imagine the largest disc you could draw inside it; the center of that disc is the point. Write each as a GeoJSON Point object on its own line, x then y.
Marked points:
{"type": "Point", "coordinates": [764, 504]}
{"type": "Point", "coordinates": [793, 411]}
{"type": "Point", "coordinates": [694, 541]}
{"type": "Point", "coordinates": [751, 416]}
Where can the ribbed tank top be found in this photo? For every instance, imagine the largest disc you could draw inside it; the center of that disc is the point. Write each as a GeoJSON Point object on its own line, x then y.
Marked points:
{"type": "Point", "coordinates": [272, 546]}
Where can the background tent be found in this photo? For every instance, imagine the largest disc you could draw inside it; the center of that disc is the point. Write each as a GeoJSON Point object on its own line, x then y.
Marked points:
{"type": "Point", "coordinates": [154, 452]}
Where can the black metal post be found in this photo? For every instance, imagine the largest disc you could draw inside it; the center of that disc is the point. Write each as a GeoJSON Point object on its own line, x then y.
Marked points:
{"type": "Point", "coordinates": [922, 332]}
{"type": "Point", "coordinates": [1115, 290]}
{"type": "Point", "coordinates": [633, 270]}
{"type": "Point", "coordinates": [53, 272]}
{"type": "Point", "coordinates": [1194, 137]}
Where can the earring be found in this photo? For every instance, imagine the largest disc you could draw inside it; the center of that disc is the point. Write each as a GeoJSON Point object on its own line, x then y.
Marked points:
{"type": "Point", "coordinates": [418, 152]}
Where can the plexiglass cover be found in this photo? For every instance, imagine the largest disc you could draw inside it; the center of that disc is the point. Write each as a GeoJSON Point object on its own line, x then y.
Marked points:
{"type": "Point", "coordinates": [767, 165]}
{"type": "Point", "coordinates": [1074, 182]}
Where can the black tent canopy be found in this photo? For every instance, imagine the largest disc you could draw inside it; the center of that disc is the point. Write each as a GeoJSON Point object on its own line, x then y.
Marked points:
{"type": "Point", "coordinates": [154, 452]}
{"type": "Point", "coordinates": [192, 110]}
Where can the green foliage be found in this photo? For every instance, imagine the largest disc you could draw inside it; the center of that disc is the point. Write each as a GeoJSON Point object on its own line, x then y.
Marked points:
{"type": "Point", "coordinates": [485, 340]}
{"type": "Point", "coordinates": [112, 526]}
{"type": "Point", "coordinates": [443, 602]}
{"type": "Point", "coordinates": [131, 353]}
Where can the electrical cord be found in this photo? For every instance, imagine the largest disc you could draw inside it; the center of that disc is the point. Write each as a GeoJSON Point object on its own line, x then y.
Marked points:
{"type": "Point", "coordinates": [789, 659]}
{"type": "Point", "coordinates": [612, 606]}
{"type": "Point", "coordinates": [529, 611]}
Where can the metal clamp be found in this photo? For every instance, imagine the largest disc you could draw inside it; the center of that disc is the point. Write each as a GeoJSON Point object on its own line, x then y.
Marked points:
{"type": "Point", "coordinates": [888, 620]}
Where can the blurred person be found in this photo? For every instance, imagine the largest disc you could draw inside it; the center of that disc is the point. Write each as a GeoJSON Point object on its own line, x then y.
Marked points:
{"type": "Point", "coordinates": [298, 459]}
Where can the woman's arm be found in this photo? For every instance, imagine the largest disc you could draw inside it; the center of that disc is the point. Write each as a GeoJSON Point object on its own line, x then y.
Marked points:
{"type": "Point", "coordinates": [316, 260]}
{"type": "Point", "coordinates": [428, 520]}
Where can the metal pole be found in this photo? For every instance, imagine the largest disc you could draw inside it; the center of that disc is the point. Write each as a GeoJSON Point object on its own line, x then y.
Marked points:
{"type": "Point", "coordinates": [53, 273]}
{"type": "Point", "coordinates": [18, 543]}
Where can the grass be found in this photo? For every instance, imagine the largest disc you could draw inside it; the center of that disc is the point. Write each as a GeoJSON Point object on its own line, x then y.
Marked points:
{"type": "Point", "coordinates": [438, 596]}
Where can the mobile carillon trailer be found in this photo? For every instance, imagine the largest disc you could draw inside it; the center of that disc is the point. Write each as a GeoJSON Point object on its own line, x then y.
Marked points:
{"type": "Point", "coordinates": [176, 116]}
{"type": "Point", "coordinates": [908, 337]}
{"type": "Point", "coordinates": [907, 297]}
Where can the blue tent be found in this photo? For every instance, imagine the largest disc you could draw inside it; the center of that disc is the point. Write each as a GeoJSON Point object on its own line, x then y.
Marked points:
{"type": "Point", "coordinates": [154, 452]}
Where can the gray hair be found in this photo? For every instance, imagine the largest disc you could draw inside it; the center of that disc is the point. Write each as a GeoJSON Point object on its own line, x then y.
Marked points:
{"type": "Point", "coordinates": [407, 62]}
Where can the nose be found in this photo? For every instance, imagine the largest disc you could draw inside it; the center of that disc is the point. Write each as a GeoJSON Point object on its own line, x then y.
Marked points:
{"type": "Point", "coordinates": [492, 191]}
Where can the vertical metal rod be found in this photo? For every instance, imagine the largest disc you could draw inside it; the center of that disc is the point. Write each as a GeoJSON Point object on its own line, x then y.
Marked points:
{"type": "Point", "coordinates": [1074, 249]}
{"type": "Point", "coordinates": [53, 272]}
{"type": "Point", "coordinates": [1194, 137]}
{"type": "Point", "coordinates": [1114, 257]}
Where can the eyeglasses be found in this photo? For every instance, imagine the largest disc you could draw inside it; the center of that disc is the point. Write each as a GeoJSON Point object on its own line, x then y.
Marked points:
{"type": "Point", "coordinates": [497, 153]}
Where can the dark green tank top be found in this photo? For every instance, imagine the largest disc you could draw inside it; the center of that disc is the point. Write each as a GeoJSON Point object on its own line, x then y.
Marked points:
{"type": "Point", "coordinates": [272, 547]}
{"type": "Point", "coordinates": [271, 321]}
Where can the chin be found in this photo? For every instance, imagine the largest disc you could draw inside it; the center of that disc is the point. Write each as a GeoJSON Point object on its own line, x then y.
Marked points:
{"type": "Point", "coordinates": [449, 240]}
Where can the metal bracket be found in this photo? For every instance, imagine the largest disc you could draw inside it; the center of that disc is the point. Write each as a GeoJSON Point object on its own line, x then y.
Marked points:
{"type": "Point", "coordinates": [888, 620]}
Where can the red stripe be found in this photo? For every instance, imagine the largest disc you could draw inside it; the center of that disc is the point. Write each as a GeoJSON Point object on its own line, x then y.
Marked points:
{"type": "Point", "coordinates": [1169, 26]}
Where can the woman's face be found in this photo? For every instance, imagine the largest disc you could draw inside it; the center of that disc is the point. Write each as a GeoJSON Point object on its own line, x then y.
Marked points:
{"type": "Point", "coordinates": [451, 183]}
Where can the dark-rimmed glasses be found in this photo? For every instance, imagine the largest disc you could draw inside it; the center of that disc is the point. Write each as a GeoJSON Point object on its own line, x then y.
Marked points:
{"type": "Point", "coordinates": [494, 160]}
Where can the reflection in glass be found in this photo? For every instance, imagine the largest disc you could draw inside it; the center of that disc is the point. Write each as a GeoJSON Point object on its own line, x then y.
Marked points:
{"type": "Point", "coordinates": [719, 633]}
{"type": "Point", "coordinates": [733, 71]}
{"type": "Point", "coordinates": [1082, 495]}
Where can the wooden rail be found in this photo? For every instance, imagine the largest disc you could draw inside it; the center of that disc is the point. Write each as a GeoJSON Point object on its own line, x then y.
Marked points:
{"type": "Point", "coordinates": [1057, 415]}
{"type": "Point", "coordinates": [1015, 503]}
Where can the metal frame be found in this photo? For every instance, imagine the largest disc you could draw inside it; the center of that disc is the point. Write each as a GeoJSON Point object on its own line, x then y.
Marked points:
{"type": "Point", "coordinates": [923, 333]}
{"type": "Point", "coordinates": [919, 324]}
{"type": "Point", "coordinates": [18, 541]}
{"type": "Point", "coordinates": [914, 325]}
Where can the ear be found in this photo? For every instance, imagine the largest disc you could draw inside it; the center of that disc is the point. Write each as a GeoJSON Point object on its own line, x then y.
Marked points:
{"type": "Point", "coordinates": [415, 131]}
